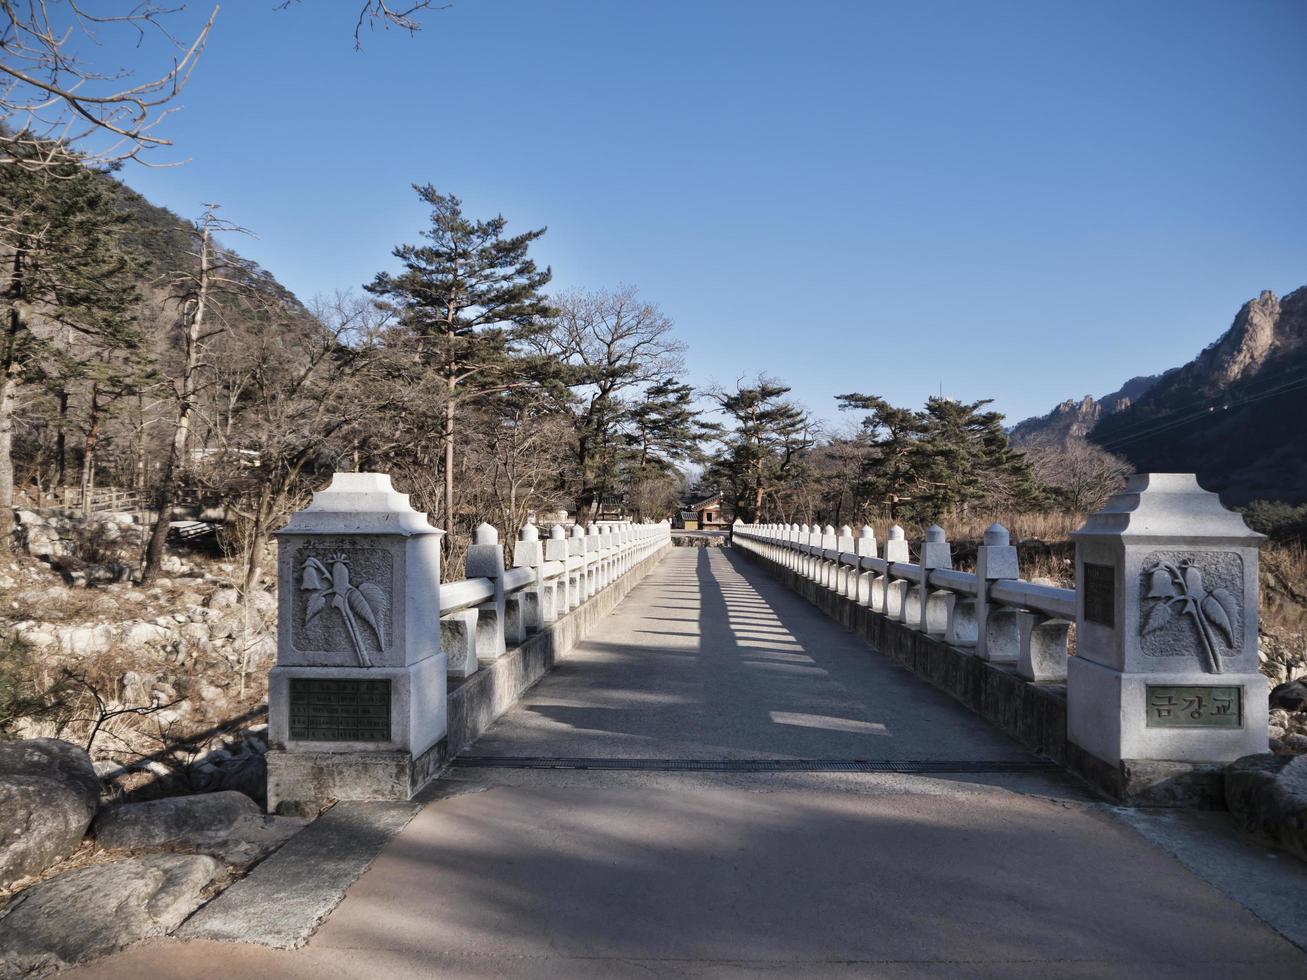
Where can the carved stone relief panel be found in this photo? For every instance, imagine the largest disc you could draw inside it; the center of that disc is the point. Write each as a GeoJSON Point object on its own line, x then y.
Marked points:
{"type": "Point", "coordinates": [342, 600]}
{"type": "Point", "coordinates": [1192, 606]}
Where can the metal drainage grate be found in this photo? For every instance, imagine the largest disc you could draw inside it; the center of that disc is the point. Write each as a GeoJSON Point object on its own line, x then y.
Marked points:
{"type": "Point", "coordinates": [753, 765]}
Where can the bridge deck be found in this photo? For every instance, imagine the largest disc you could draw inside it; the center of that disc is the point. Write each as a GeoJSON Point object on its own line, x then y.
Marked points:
{"type": "Point", "coordinates": [640, 868]}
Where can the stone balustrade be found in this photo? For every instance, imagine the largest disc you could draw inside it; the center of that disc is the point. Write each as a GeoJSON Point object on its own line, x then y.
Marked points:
{"type": "Point", "coordinates": [929, 595]}
{"type": "Point", "coordinates": [1162, 687]}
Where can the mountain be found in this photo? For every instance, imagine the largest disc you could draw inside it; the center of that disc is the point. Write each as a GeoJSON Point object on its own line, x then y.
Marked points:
{"type": "Point", "coordinates": [1075, 419]}
{"type": "Point", "coordinates": [1235, 414]}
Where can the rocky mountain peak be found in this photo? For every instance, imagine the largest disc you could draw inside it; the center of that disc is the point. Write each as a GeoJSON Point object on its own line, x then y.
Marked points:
{"type": "Point", "coordinates": [1249, 342]}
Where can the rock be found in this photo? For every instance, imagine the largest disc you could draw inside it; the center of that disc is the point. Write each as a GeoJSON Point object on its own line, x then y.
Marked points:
{"type": "Point", "coordinates": [48, 795]}
{"type": "Point", "coordinates": [54, 759]}
{"type": "Point", "coordinates": [209, 692]}
{"type": "Point", "coordinates": [96, 910]}
{"type": "Point", "coordinates": [146, 634]}
{"type": "Point", "coordinates": [81, 641]}
{"type": "Point", "coordinates": [108, 769]}
{"type": "Point", "coordinates": [38, 638]}
{"type": "Point", "coordinates": [41, 822]}
{"type": "Point", "coordinates": [264, 603]}
{"type": "Point", "coordinates": [227, 825]}
{"type": "Point", "coordinates": [1295, 742]}
{"type": "Point", "coordinates": [137, 686]}
{"type": "Point", "coordinates": [1291, 696]}
{"type": "Point", "coordinates": [221, 629]}
{"type": "Point", "coordinates": [262, 651]}
{"type": "Point", "coordinates": [224, 599]}
{"type": "Point", "coordinates": [1267, 796]}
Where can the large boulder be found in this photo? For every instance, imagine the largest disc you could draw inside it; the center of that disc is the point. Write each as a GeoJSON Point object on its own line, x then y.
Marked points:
{"type": "Point", "coordinates": [48, 795]}
{"type": "Point", "coordinates": [1267, 796]}
{"type": "Point", "coordinates": [1291, 696]}
{"type": "Point", "coordinates": [53, 758]}
{"type": "Point", "coordinates": [96, 910]}
{"type": "Point", "coordinates": [227, 825]}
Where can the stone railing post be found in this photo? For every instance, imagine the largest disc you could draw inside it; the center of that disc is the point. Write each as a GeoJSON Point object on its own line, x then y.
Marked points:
{"type": "Point", "coordinates": [594, 560]}
{"type": "Point", "coordinates": [843, 574]}
{"type": "Point", "coordinates": [527, 553]}
{"type": "Point", "coordinates": [358, 696]}
{"type": "Point", "coordinates": [997, 634]}
{"type": "Point", "coordinates": [894, 590]}
{"type": "Point", "coordinates": [556, 550]}
{"type": "Point", "coordinates": [826, 567]}
{"type": "Point", "coordinates": [576, 549]}
{"type": "Point", "coordinates": [606, 548]}
{"type": "Point", "coordinates": [485, 559]}
{"type": "Point", "coordinates": [1166, 661]}
{"type": "Point", "coordinates": [866, 548]}
{"type": "Point", "coordinates": [926, 608]}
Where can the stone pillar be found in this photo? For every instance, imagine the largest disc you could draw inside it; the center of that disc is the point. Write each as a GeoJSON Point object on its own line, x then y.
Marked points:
{"type": "Point", "coordinates": [357, 701]}
{"type": "Point", "coordinates": [866, 548]}
{"type": "Point", "coordinates": [527, 553]}
{"type": "Point", "coordinates": [556, 550]}
{"type": "Point", "coordinates": [997, 636]}
{"type": "Point", "coordinates": [576, 549]}
{"type": "Point", "coordinates": [843, 574]}
{"type": "Point", "coordinates": [1166, 629]}
{"type": "Point", "coordinates": [926, 609]}
{"type": "Point", "coordinates": [485, 559]}
{"type": "Point", "coordinates": [825, 567]}
{"type": "Point", "coordinates": [893, 590]}
{"type": "Point", "coordinates": [594, 561]}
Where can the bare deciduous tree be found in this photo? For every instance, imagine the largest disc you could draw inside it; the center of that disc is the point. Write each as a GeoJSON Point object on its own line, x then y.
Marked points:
{"type": "Point", "coordinates": [54, 94]}
{"type": "Point", "coordinates": [616, 342]}
{"type": "Point", "coordinates": [1084, 474]}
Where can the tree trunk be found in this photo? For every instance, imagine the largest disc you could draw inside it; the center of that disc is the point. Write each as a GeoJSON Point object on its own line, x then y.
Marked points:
{"type": "Point", "coordinates": [8, 384]}
{"type": "Point", "coordinates": [61, 440]}
{"type": "Point", "coordinates": [186, 406]}
{"type": "Point", "coordinates": [88, 449]}
{"type": "Point", "coordinates": [448, 436]}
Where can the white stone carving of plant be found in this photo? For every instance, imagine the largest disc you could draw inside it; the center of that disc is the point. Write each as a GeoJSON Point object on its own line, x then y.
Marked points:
{"type": "Point", "coordinates": [353, 603]}
{"type": "Point", "coordinates": [1182, 585]}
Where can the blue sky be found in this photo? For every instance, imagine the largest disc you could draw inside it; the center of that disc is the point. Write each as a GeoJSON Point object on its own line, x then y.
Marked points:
{"type": "Point", "coordinates": [1022, 201]}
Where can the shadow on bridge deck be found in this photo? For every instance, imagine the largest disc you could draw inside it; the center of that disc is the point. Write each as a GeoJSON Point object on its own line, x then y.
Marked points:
{"type": "Point", "coordinates": [710, 659]}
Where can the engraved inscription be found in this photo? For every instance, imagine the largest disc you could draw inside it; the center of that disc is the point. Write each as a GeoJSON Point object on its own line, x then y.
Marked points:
{"type": "Point", "coordinates": [333, 710]}
{"type": "Point", "coordinates": [343, 601]}
{"type": "Point", "coordinates": [1100, 595]}
{"type": "Point", "coordinates": [1195, 707]}
{"type": "Point", "coordinates": [1192, 606]}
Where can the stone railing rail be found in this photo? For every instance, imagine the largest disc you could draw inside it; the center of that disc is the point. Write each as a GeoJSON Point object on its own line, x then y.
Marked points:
{"type": "Point", "coordinates": [1006, 619]}
{"type": "Point", "coordinates": [496, 607]}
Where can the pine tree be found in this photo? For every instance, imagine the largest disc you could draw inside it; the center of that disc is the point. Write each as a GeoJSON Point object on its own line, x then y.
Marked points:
{"type": "Point", "coordinates": [767, 446]}
{"type": "Point", "coordinates": [667, 430]}
{"type": "Point", "coordinates": [67, 295]}
{"type": "Point", "coordinates": [964, 459]}
{"type": "Point", "coordinates": [469, 298]}
{"type": "Point", "coordinates": [890, 472]}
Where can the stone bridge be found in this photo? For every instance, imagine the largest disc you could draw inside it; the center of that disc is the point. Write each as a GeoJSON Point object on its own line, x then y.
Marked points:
{"type": "Point", "coordinates": [811, 753]}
